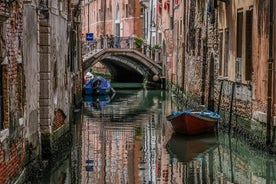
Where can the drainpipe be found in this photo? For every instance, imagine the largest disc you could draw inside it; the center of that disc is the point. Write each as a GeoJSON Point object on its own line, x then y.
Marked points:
{"type": "Point", "coordinates": [274, 95]}
{"type": "Point", "coordinates": [204, 60]}
{"type": "Point", "coordinates": [269, 76]}
{"type": "Point", "coordinates": [88, 18]}
{"type": "Point", "coordinates": [184, 48]}
{"type": "Point", "coordinates": [150, 23]}
{"type": "Point", "coordinates": [104, 33]}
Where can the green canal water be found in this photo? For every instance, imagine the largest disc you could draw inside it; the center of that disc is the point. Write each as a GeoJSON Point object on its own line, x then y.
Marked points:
{"type": "Point", "coordinates": [126, 139]}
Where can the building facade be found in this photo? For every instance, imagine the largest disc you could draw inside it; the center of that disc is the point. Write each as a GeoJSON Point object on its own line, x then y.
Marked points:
{"type": "Point", "coordinates": [118, 18]}
{"type": "Point", "coordinates": [220, 53]}
{"type": "Point", "coordinates": [40, 81]}
{"type": "Point", "coordinates": [216, 52]}
{"type": "Point", "coordinates": [248, 58]}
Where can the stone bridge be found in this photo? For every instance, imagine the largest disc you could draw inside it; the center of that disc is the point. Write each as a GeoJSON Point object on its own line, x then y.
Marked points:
{"type": "Point", "coordinates": [125, 63]}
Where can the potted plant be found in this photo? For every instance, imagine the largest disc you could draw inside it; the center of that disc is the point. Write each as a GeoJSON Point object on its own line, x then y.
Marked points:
{"type": "Point", "coordinates": [138, 42]}
{"type": "Point", "coordinates": [155, 52]}
{"type": "Point", "coordinates": [156, 48]}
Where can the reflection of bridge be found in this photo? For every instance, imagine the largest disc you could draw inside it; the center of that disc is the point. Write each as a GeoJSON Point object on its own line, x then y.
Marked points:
{"type": "Point", "coordinates": [127, 106]}
{"type": "Point", "coordinates": [125, 63]}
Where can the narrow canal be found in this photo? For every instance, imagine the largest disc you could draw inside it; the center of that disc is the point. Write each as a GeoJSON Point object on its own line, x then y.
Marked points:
{"type": "Point", "coordinates": [126, 139]}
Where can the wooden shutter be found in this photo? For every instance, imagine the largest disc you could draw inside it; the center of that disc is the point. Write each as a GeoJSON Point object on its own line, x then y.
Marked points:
{"type": "Point", "coordinates": [248, 51]}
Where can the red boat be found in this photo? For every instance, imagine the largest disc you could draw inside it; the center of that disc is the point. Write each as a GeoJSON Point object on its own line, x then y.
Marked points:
{"type": "Point", "coordinates": [193, 122]}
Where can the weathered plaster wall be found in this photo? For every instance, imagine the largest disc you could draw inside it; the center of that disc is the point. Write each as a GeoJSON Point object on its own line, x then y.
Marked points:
{"type": "Point", "coordinates": [60, 74]}
{"type": "Point", "coordinates": [30, 60]}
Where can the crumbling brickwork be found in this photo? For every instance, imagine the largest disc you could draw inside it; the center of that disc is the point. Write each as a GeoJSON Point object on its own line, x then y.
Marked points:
{"type": "Point", "coordinates": [11, 161]}
{"type": "Point", "coordinates": [12, 145]}
{"type": "Point", "coordinates": [58, 119]}
{"type": "Point", "coordinates": [29, 70]}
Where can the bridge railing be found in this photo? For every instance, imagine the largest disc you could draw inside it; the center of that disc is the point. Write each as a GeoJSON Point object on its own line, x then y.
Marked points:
{"type": "Point", "coordinates": [98, 44]}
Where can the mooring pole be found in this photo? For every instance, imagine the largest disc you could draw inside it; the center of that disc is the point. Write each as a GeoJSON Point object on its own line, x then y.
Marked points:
{"type": "Point", "coordinates": [220, 94]}
{"type": "Point", "coordinates": [231, 107]}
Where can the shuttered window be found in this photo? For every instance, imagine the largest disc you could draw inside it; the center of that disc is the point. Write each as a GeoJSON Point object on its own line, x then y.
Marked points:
{"type": "Point", "coordinates": [248, 46]}
{"type": "Point", "coordinates": [126, 10]}
{"type": "Point", "coordinates": [239, 42]}
{"type": "Point", "coordinates": [239, 33]}
{"type": "Point", "coordinates": [220, 36]}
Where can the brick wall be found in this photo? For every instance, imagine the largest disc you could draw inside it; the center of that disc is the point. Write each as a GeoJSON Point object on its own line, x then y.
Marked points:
{"type": "Point", "coordinates": [10, 161]}
{"type": "Point", "coordinates": [58, 119]}
{"type": "Point", "coordinates": [12, 147]}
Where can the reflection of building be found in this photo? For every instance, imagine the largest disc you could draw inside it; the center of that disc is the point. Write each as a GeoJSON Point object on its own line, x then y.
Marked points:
{"type": "Point", "coordinates": [123, 150]}
{"type": "Point", "coordinates": [222, 164]}
{"type": "Point", "coordinates": [111, 153]}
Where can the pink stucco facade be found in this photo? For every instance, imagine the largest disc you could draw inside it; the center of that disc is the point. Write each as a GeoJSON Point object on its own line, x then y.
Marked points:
{"type": "Point", "coordinates": [112, 17]}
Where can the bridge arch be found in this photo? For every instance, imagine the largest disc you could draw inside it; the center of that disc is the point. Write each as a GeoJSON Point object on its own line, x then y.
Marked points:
{"type": "Point", "coordinates": [125, 64]}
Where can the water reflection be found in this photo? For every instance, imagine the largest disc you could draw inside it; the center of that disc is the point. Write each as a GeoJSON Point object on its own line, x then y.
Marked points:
{"type": "Point", "coordinates": [97, 101]}
{"type": "Point", "coordinates": [122, 139]}
{"type": "Point", "coordinates": [186, 148]}
{"type": "Point", "coordinates": [130, 141]}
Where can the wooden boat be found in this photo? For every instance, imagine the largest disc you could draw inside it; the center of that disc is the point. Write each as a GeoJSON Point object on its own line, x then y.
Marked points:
{"type": "Point", "coordinates": [193, 122]}
{"type": "Point", "coordinates": [97, 86]}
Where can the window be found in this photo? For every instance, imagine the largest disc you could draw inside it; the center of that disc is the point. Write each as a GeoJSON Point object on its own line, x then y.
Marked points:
{"type": "Point", "coordinates": [223, 51]}
{"type": "Point", "coordinates": [248, 46]}
{"type": "Point", "coordinates": [239, 33]}
{"type": "Point", "coordinates": [117, 29]}
{"type": "Point", "coordinates": [117, 12]}
{"type": "Point", "coordinates": [107, 14]}
{"type": "Point", "coordinates": [127, 13]}
{"type": "Point", "coordinates": [181, 27]}
{"type": "Point", "coordinates": [239, 41]}
{"type": "Point", "coordinates": [220, 37]}
{"type": "Point", "coordinates": [142, 11]}
{"type": "Point", "coordinates": [226, 51]}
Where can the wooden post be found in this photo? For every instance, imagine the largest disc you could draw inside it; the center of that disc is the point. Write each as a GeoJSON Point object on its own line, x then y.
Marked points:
{"type": "Point", "coordinates": [231, 107]}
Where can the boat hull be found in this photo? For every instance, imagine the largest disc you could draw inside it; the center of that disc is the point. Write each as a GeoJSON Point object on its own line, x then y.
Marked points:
{"type": "Point", "coordinates": [90, 91]}
{"type": "Point", "coordinates": [190, 124]}
{"type": "Point", "coordinates": [97, 86]}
